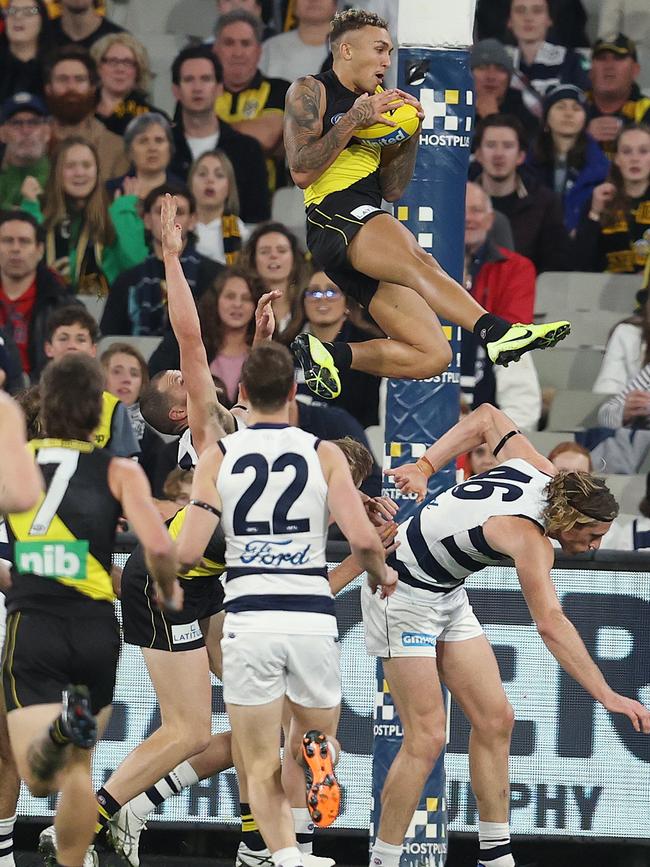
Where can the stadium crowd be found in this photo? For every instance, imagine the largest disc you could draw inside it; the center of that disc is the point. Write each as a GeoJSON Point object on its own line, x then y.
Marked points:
{"type": "Point", "coordinates": [96, 130]}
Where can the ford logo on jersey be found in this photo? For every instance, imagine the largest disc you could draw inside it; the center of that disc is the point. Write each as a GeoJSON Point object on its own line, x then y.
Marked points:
{"type": "Point", "coordinates": [418, 639]}
{"type": "Point", "coordinates": [267, 553]}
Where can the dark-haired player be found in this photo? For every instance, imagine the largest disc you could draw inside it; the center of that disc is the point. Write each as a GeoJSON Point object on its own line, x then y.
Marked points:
{"type": "Point", "coordinates": [61, 628]}
{"type": "Point", "coordinates": [364, 250]}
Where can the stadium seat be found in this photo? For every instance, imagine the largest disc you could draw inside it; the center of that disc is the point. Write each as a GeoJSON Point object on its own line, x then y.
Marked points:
{"type": "Point", "coordinates": [94, 305]}
{"type": "Point", "coordinates": [145, 345]}
{"type": "Point", "coordinates": [568, 368]}
{"type": "Point", "coordinates": [628, 490]}
{"type": "Point", "coordinates": [559, 293]}
{"type": "Point", "coordinates": [591, 329]}
{"type": "Point", "coordinates": [545, 441]}
{"type": "Point", "coordinates": [288, 207]}
{"type": "Point", "coordinates": [574, 410]}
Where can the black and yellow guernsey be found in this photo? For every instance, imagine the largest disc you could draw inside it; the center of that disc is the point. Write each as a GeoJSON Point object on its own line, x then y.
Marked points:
{"type": "Point", "coordinates": [213, 561]}
{"type": "Point", "coordinates": [61, 549]}
{"type": "Point", "coordinates": [357, 166]}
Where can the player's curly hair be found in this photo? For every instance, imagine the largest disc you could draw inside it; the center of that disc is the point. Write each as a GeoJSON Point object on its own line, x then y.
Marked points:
{"type": "Point", "coordinates": [354, 19]}
{"type": "Point", "coordinates": [358, 457]}
{"type": "Point", "coordinates": [577, 498]}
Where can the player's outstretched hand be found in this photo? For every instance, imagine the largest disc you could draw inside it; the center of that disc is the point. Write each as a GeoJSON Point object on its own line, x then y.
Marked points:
{"type": "Point", "coordinates": [389, 585]}
{"type": "Point", "coordinates": [387, 533]}
{"type": "Point", "coordinates": [409, 479]}
{"type": "Point", "coordinates": [368, 110]}
{"type": "Point", "coordinates": [265, 317]}
{"type": "Point", "coordinates": [637, 713]}
{"type": "Point", "coordinates": [172, 241]}
{"type": "Point", "coordinates": [379, 509]}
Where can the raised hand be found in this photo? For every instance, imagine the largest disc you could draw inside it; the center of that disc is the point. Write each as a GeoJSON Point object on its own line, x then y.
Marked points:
{"type": "Point", "coordinates": [368, 110]}
{"type": "Point", "coordinates": [265, 317]}
{"type": "Point", "coordinates": [172, 241]}
{"type": "Point", "coordinates": [31, 189]}
{"type": "Point", "coordinates": [379, 509]}
{"type": "Point", "coordinates": [638, 714]}
{"type": "Point", "coordinates": [409, 479]}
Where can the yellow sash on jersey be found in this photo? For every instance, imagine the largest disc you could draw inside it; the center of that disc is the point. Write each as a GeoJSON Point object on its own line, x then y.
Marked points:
{"type": "Point", "coordinates": [206, 567]}
{"type": "Point", "coordinates": [102, 434]}
{"type": "Point", "coordinates": [97, 583]}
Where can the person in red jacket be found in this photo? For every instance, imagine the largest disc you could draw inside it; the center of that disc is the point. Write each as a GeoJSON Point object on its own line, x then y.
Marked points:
{"type": "Point", "coordinates": [503, 282]}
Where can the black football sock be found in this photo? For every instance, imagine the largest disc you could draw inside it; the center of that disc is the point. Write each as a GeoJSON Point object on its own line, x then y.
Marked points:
{"type": "Point", "coordinates": [490, 327]}
{"type": "Point", "coordinates": [342, 355]}
{"type": "Point", "coordinates": [250, 835]}
{"type": "Point", "coordinates": [107, 807]}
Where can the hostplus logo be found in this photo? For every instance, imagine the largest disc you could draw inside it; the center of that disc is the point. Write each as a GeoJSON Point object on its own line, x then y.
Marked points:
{"type": "Point", "coordinates": [449, 117]}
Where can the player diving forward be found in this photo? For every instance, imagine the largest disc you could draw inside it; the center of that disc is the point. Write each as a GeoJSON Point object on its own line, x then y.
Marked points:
{"type": "Point", "coordinates": [512, 510]}
{"type": "Point", "coordinates": [364, 250]}
{"type": "Point", "coordinates": [61, 628]}
{"type": "Point", "coordinates": [271, 486]}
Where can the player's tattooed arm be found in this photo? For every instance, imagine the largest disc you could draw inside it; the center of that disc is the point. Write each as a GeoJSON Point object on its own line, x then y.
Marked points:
{"type": "Point", "coordinates": [308, 153]}
{"type": "Point", "coordinates": [397, 167]}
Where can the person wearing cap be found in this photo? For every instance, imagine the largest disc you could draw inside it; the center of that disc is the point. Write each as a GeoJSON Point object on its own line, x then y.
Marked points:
{"type": "Point", "coordinates": [615, 99]}
{"type": "Point", "coordinates": [628, 16]}
{"type": "Point", "coordinates": [492, 69]}
{"type": "Point", "coordinates": [25, 133]}
{"type": "Point", "coordinates": [564, 157]}
{"type": "Point", "coordinates": [538, 63]}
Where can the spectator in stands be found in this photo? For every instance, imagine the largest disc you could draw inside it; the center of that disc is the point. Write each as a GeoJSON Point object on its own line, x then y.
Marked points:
{"type": "Point", "coordinates": [477, 460]}
{"type": "Point", "coordinates": [324, 311]}
{"type": "Point", "coordinates": [149, 144]}
{"type": "Point", "coordinates": [250, 101]}
{"type": "Point", "coordinates": [571, 457]}
{"type": "Point", "coordinates": [614, 233]}
{"type": "Point", "coordinates": [23, 43]}
{"type": "Point", "coordinates": [272, 253]}
{"type": "Point", "coordinates": [535, 213]}
{"type": "Point", "coordinates": [569, 21]}
{"type": "Point", "coordinates": [564, 157]}
{"type": "Point", "coordinates": [219, 230]}
{"type": "Point", "coordinates": [73, 329]}
{"type": "Point", "coordinates": [25, 133]}
{"type": "Point", "coordinates": [197, 82]}
{"type": "Point", "coordinates": [81, 24]}
{"type": "Point", "coordinates": [538, 63]}
{"type": "Point", "coordinates": [504, 283]}
{"type": "Point", "coordinates": [227, 315]}
{"type": "Point", "coordinates": [88, 243]}
{"type": "Point", "coordinates": [627, 350]}
{"type": "Point", "coordinates": [304, 50]}
{"type": "Point", "coordinates": [126, 373]}
{"type": "Point", "coordinates": [124, 74]}
{"type": "Point", "coordinates": [615, 99]}
{"type": "Point", "coordinates": [631, 406]}
{"type": "Point", "coordinates": [628, 16]}
{"type": "Point", "coordinates": [136, 303]}
{"type": "Point", "coordinates": [71, 92]}
{"type": "Point", "coordinates": [29, 291]}
{"type": "Point", "coordinates": [193, 18]}
{"type": "Point", "coordinates": [492, 69]}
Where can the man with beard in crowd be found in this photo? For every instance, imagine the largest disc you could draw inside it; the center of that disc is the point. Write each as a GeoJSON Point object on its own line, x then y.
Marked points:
{"type": "Point", "coordinates": [71, 82]}
{"type": "Point", "coordinates": [81, 24]}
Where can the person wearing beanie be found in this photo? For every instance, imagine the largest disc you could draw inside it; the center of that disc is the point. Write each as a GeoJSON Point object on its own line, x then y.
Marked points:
{"type": "Point", "coordinates": [563, 156]}
{"type": "Point", "coordinates": [492, 69]}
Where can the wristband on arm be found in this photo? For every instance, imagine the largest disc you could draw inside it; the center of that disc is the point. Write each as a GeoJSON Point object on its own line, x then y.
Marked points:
{"type": "Point", "coordinates": [425, 466]}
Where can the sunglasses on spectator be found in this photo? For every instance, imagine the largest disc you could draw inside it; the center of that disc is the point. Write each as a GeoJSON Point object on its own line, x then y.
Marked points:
{"type": "Point", "coordinates": [322, 293]}
{"type": "Point", "coordinates": [129, 62]}
{"type": "Point", "coordinates": [22, 11]}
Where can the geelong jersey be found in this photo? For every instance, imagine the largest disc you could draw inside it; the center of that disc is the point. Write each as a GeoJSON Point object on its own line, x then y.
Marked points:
{"type": "Point", "coordinates": [358, 163]}
{"type": "Point", "coordinates": [275, 518]}
{"type": "Point", "coordinates": [443, 542]}
{"type": "Point", "coordinates": [63, 546]}
{"type": "Point", "coordinates": [187, 457]}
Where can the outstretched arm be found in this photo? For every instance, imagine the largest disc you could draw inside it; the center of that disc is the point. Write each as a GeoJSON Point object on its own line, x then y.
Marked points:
{"type": "Point", "coordinates": [207, 419]}
{"type": "Point", "coordinates": [487, 424]}
{"type": "Point", "coordinates": [533, 556]}
{"type": "Point", "coordinates": [20, 479]}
